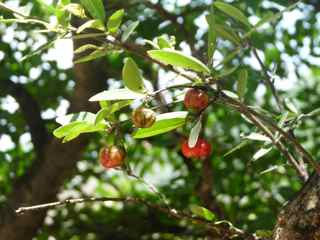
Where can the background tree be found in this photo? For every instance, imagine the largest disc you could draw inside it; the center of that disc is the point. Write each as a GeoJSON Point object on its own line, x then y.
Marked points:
{"type": "Point", "coordinates": [245, 184]}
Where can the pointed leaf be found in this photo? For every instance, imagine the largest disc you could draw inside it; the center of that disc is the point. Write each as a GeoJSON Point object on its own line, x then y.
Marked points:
{"type": "Point", "coordinates": [85, 48]}
{"type": "Point", "coordinates": [75, 9]}
{"type": "Point", "coordinates": [242, 83]}
{"type": "Point", "coordinates": [94, 55]}
{"type": "Point", "coordinates": [129, 30]}
{"type": "Point", "coordinates": [95, 8]}
{"type": "Point", "coordinates": [194, 133]}
{"type": "Point", "coordinates": [117, 94]}
{"type": "Point", "coordinates": [115, 20]}
{"type": "Point", "coordinates": [233, 12]}
{"type": "Point", "coordinates": [131, 76]}
{"type": "Point", "coordinates": [76, 117]}
{"type": "Point", "coordinates": [178, 59]}
{"type": "Point", "coordinates": [165, 122]}
{"type": "Point", "coordinates": [257, 137]}
{"type": "Point", "coordinates": [260, 153]}
{"type": "Point", "coordinates": [95, 24]}
{"type": "Point", "coordinates": [202, 212]}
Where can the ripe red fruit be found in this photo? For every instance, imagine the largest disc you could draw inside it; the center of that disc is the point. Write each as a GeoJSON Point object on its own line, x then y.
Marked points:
{"type": "Point", "coordinates": [196, 99]}
{"type": "Point", "coordinates": [112, 157]}
{"type": "Point", "coordinates": [202, 149]}
{"type": "Point", "coordinates": [143, 117]}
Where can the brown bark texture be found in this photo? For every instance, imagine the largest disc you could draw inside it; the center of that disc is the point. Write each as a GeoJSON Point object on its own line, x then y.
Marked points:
{"type": "Point", "coordinates": [300, 218]}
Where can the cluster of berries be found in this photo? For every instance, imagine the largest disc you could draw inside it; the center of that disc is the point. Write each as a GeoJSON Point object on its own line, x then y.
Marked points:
{"type": "Point", "coordinates": [195, 99]}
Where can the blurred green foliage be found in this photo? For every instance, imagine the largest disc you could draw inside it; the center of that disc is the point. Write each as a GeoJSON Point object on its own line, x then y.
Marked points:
{"type": "Point", "coordinates": [249, 199]}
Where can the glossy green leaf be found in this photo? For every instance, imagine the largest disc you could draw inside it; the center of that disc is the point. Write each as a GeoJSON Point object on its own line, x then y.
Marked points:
{"type": "Point", "coordinates": [203, 212]}
{"type": "Point", "coordinates": [163, 42]}
{"type": "Point", "coordinates": [257, 137]}
{"type": "Point", "coordinates": [260, 153]}
{"type": "Point", "coordinates": [242, 83]}
{"type": "Point", "coordinates": [115, 21]}
{"type": "Point", "coordinates": [178, 59]}
{"type": "Point", "coordinates": [131, 76]}
{"type": "Point", "coordinates": [94, 24]}
{"type": "Point", "coordinates": [107, 111]}
{"type": "Point", "coordinates": [94, 55]}
{"type": "Point", "coordinates": [76, 117]}
{"type": "Point", "coordinates": [75, 9]}
{"type": "Point", "coordinates": [194, 133]}
{"type": "Point", "coordinates": [165, 122]}
{"type": "Point", "coordinates": [95, 8]}
{"type": "Point", "coordinates": [233, 12]}
{"type": "Point", "coordinates": [117, 94]}
{"type": "Point", "coordinates": [129, 30]}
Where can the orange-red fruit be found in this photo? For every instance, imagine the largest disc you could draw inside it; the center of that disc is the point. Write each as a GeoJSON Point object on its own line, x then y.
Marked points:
{"type": "Point", "coordinates": [143, 117]}
{"type": "Point", "coordinates": [112, 157]}
{"type": "Point", "coordinates": [202, 149]}
{"type": "Point", "coordinates": [196, 99]}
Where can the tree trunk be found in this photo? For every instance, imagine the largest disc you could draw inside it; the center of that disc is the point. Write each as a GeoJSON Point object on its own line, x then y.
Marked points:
{"type": "Point", "coordinates": [300, 218]}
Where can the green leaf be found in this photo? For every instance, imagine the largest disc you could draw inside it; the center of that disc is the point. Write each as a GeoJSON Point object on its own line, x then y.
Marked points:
{"type": "Point", "coordinates": [290, 106]}
{"type": "Point", "coordinates": [257, 137]}
{"type": "Point", "coordinates": [203, 212]}
{"type": "Point", "coordinates": [237, 147]}
{"type": "Point", "coordinates": [76, 117]}
{"type": "Point", "coordinates": [117, 94]}
{"type": "Point", "coordinates": [101, 115]}
{"type": "Point", "coordinates": [227, 33]}
{"type": "Point", "coordinates": [115, 20]}
{"type": "Point", "coordinates": [75, 9]}
{"type": "Point", "coordinates": [163, 42]}
{"type": "Point", "coordinates": [94, 55]}
{"type": "Point", "coordinates": [178, 59]}
{"type": "Point", "coordinates": [194, 133]}
{"type": "Point", "coordinates": [129, 30]}
{"type": "Point", "coordinates": [212, 35]}
{"type": "Point", "coordinates": [165, 122]}
{"type": "Point", "coordinates": [85, 48]}
{"type": "Point", "coordinates": [233, 12]}
{"type": "Point", "coordinates": [260, 153]}
{"type": "Point", "coordinates": [107, 111]}
{"type": "Point", "coordinates": [94, 24]}
{"type": "Point", "coordinates": [242, 83]}
{"type": "Point", "coordinates": [95, 8]}
{"type": "Point", "coordinates": [131, 76]}
{"type": "Point", "coordinates": [65, 130]}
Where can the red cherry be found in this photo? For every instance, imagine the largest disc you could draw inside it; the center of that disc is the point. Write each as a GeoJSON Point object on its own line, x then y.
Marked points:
{"type": "Point", "coordinates": [112, 157]}
{"type": "Point", "coordinates": [196, 99]}
{"type": "Point", "coordinates": [203, 148]}
{"type": "Point", "coordinates": [186, 150]}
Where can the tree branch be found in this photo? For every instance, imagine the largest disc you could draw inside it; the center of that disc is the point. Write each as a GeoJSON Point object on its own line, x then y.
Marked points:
{"type": "Point", "coordinates": [31, 111]}
{"type": "Point", "coordinates": [225, 231]}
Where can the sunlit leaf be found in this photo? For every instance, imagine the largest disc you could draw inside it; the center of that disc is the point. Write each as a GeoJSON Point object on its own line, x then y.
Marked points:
{"type": "Point", "coordinates": [94, 55]}
{"type": "Point", "coordinates": [233, 12]}
{"type": "Point", "coordinates": [242, 83]}
{"type": "Point", "coordinates": [202, 212]}
{"type": "Point", "coordinates": [129, 30]}
{"type": "Point", "coordinates": [75, 9]}
{"type": "Point", "coordinates": [115, 20]}
{"type": "Point", "coordinates": [94, 24]}
{"type": "Point", "coordinates": [178, 59]}
{"type": "Point", "coordinates": [117, 94]}
{"type": "Point", "coordinates": [194, 134]}
{"type": "Point", "coordinates": [165, 122]}
{"type": "Point", "coordinates": [131, 76]}
{"type": "Point", "coordinates": [95, 8]}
